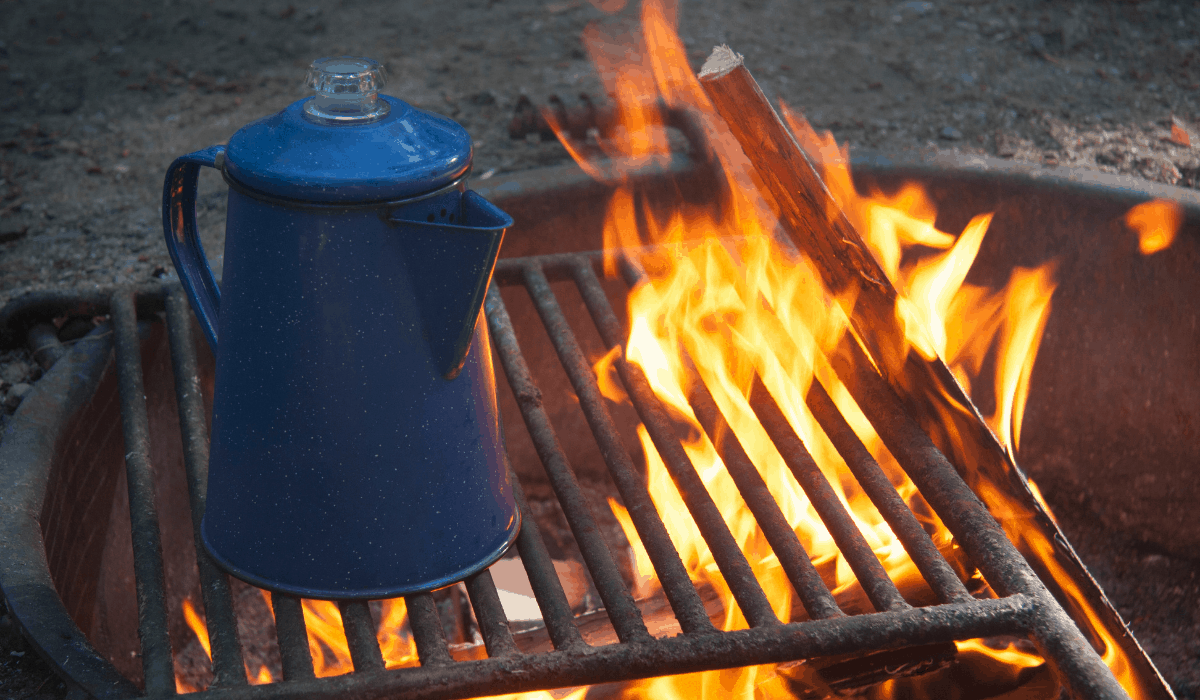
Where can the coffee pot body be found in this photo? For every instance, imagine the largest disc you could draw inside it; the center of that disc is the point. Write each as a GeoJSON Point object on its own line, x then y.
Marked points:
{"type": "Point", "coordinates": [356, 449]}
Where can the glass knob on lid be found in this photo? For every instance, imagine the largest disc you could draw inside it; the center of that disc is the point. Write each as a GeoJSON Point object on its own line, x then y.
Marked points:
{"type": "Point", "coordinates": [347, 90]}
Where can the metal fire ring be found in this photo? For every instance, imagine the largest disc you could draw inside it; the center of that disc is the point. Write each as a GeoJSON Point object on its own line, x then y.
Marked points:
{"type": "Point", "coordinates": [30, 440]}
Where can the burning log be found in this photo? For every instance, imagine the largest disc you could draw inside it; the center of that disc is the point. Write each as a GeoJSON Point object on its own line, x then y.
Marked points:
{"type": "Point", "coordinates": [808, 212]}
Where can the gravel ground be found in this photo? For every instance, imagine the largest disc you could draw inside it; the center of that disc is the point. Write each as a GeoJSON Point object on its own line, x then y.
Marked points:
{"type": "Point", "coordinates": [96, 99]}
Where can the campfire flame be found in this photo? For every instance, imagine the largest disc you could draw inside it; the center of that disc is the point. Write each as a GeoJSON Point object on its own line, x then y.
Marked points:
{"type": "Point", "coordinates": [196, 624]}
{"type": "Point", "coordinates": [323, 621]}
{"type": "Point", "coordinates": [943, 316]}
{"type": "Point", "coordinates": [326, 639]}
{"type": "Point", "coordinates": [723, 302]}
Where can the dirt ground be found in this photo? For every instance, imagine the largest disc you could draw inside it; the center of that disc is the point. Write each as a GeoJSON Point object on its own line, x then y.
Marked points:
{"type": "Point", "coordinates": [97, 98]}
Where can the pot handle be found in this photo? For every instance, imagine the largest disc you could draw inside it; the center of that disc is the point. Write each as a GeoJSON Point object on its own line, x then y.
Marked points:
{"type": "Point", "coordinates": [183, 241]}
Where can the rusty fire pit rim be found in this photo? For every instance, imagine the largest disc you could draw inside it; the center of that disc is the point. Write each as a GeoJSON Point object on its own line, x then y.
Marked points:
{"type": "Point", "coordinates": [1087, 181]}
{"type": "Point", "coordinates": [26, 454]}
{"type": "Point", "coordinates": [22, 312]}
{"type": "Point", "coordinates": [868, 163]}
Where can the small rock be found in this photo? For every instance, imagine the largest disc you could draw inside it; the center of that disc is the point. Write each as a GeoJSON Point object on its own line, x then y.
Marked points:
{"type": "Point", "coordinates": [1075, 32]}
{"type": "Point", "coordinates": [483, 99]}
{"type": "Point", "coordinates": [16, 372]}
{"type": "Point", "coordinates": [950, 133]}
{"type": "Point", "coordinates": [1006, 145]}
{"type": "Point", "coordinates": [15, 394]}
{"type": "Point", "coordinates": [919, 8]}
{"type": "Point", "coordinates": [1037, 42]}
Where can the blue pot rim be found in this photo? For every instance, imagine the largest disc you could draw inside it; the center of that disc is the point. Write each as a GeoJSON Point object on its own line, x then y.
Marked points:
{"type": "Point", "coordinates": [366, 593]}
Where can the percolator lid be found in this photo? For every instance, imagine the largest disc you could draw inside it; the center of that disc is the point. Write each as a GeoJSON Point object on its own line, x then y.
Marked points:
{"type": "Point", "coordinates": [348, 144]}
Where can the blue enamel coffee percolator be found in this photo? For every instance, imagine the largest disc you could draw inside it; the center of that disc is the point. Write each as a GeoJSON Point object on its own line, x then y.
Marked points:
{"type": "Point", "coordinates": [356, 447]}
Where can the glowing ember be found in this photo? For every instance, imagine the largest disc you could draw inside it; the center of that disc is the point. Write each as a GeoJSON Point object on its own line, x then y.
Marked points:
{"type": "Point", "coordinates": [1156, 223]}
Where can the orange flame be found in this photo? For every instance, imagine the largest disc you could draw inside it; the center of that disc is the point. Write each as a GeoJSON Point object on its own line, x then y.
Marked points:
{"type": "Point", "coordinates": [942, 315]}
{"type": "Point", "coordinates": [577, 694]}
{"type": "Point", "coordinates": [606, 378]}
{"type": "Point", "coordinates": [327, 638]}
{"type": "Point", "coordinates": [200, 629]}
{"type": "Point", "coordinates": [327, 643]}
{"type": "Point", "coordinates": [643, 569]}
{"type": "Point", "coordinates": [326, 634]}
{"type": "Point", "coordinates": [722, 296]}
{"type": "Point", "coordinates": [1010, 654]}
{"type": "Point", "coordinates": [1156, 223]}
{"type": "Point", "coordinates": [395, 641]}
{"type": "Point", "coordinates": [263, 677]}
{"type": "Point", "coordinates": [197, 626]}
{"type": "Point", "coordinates": [182, 687]}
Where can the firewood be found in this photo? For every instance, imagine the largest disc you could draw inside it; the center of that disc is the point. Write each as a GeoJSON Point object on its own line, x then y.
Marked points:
{"type": "Point", "coordinates": [809, 214]}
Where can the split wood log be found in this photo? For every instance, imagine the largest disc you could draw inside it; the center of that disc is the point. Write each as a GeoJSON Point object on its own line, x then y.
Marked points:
{"type": "Point", "coordinates": [809, 214]}
{"type": "Point", "coordinates": [818, 228]}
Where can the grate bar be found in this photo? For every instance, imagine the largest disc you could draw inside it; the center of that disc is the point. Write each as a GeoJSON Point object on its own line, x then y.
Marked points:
{"type": "Point", "coordinates": [725, 551]}
{"type": "Point", "coordinates": [1074, 660]}
{"type": "Point", "coordinates": [622, 610]}
{"type": "Point", "coordinates": [677, 586]}
{"type": "Point", "coordinates": [792, 557]}
{"type": "Point", "coordinates": [539, 567]}
{"type": "Point", "coordinates": [880, 589]}
{"type": "Point", "coordinates": [681, 654]}
{"type": "Point", "coordinates": [292, 634]}
{"type": "Point", "coordinates": [489, 613]}
{"type": "Point", "coordinates": [157, 665]}
{"type": "Point", "coordinates": [924, 553]}
{"type": "Point", "coordinates": [427, 630]}
{"type": "Point", "coordinates": [360, 636]}
{"type": "Point", "coordinates": [219, 617]}
{"type": "Point", "coordinates": [877, 485]}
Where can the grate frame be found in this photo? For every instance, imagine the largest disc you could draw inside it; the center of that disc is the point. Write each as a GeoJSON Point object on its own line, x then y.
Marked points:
{"type": "Point", "coordinates": [1025, 608]}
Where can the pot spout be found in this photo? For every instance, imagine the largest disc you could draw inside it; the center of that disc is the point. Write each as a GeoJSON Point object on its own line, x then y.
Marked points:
{"type": "Point", "coordinates": [451, 265]}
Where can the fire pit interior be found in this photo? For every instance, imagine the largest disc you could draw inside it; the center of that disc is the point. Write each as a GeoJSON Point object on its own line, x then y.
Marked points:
{"type": "Point", "coordinates": [1102, 392]}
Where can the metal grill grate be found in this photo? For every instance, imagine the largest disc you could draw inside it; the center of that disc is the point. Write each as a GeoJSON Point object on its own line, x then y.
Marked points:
{"type": "Point", "coordinates": [1025, 608]}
